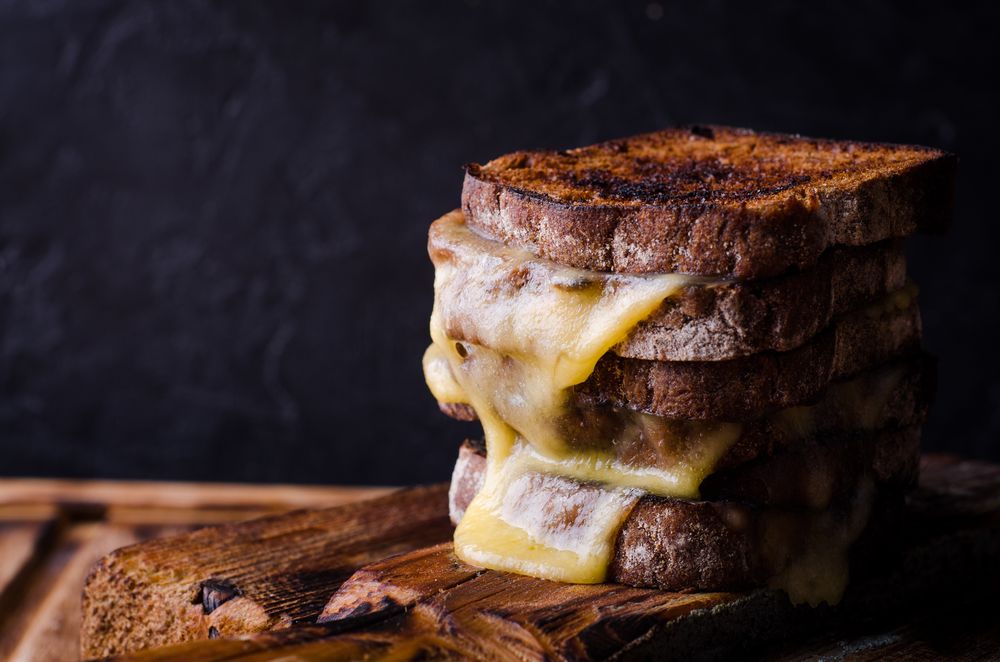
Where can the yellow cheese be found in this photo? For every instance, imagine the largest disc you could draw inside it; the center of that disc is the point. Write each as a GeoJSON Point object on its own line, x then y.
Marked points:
{"type": "Point", "coordinates": [854, 405]}
{"type": "Point", "coordinates": [806, 553]}
{"type": "Point", "coordinates": [516, 333]}
{"type": "Point", "coordinates": [900, 299]}
{"type": "Point", "coordinates": [541, 523]}
{"type": "Point", "coordinates": [512, 334]}
{"type": "Point", "coordinates": [439, 378]}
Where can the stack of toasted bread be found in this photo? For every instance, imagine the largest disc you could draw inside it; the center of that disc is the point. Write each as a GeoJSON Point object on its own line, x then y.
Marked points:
{"type": "Point", "coordinates": [695, 353]}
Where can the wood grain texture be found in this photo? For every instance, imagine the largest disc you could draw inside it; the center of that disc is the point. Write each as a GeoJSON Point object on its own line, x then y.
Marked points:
{"type": "Point", "coordinates": [19, 540]}
{"type": "Point", "coordinates": [53, 531]}
{"type": "Point", "coordinates": [427, 603]}
{"type": "Point", "coordinates": [961, 637]}
{"type": "Point", "coordinates": [455, 607]}
{"type": "Point", "coordinates": [266, 574]}
{"type": "Point", "coordinates": [46, 625]}
{"type": "Point", "coordinates": [180, 496]}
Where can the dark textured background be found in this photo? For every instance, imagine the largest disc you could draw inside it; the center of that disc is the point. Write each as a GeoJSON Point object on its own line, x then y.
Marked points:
{"type": "Point", "coordinates": [212, 215]}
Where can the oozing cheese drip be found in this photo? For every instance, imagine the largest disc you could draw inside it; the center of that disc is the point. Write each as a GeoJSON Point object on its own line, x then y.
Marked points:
{"type": "Point", "coordinates": [540, 523]}
{"type": "Point", "coordinates": [807, 552]}
{"type": "Point", "coordinates": [516, 333]}
{"type": "Point", "coordinates": [512, 334]}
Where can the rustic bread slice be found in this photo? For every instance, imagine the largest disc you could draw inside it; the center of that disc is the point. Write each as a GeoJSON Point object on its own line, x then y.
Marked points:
{"type": "Point", "coordinates": [749, 387]}
{"type": "Point", "coordinates": [813, 474]}
{"type": "Point", "coordinates": [738, 318]}
{"type": "Point", "coordinates": [680, 545]}
{"type": "Point", "coordinates": [774, 314]}
{"type": "Point", "coordinates": [708, 200]}
{"type": "Point", "coordinates": [893, 395]}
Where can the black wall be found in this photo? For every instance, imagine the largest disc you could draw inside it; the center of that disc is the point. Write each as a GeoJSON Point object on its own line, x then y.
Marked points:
{"type": "Point", "coordinates": [213, 214]}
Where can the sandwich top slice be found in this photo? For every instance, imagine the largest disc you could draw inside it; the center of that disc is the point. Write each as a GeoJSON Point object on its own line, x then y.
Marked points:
{"type": "Point", "coordinates": [708, 200]}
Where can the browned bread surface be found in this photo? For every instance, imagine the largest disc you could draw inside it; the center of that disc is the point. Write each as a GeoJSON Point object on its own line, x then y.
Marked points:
{"type": "Point", "coordinates": [907, 387]}
{"type": "Point", "coordinates": [694, 545]}
{"type": "Point", "coordinates": [748, 387]}
{"type": "Point", "coordinates": [679, 545]}
{"type": "Point", "coordinates": [774, 314]}
{"type": "Point", "coordinates": [708, 200]}
{"type": "Point", "coordinates": [817, 472]}
{"type": "Point", "coordinates": [906, 405]}
{"type": "Point", "coordinates": [738, 318]}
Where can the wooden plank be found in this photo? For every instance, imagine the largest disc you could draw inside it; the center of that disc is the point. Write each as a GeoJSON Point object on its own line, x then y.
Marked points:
{"type": "Point", "coordinates": [40, 617]}
{"type": "Point", "coordinates": [976, 636]}
{"type": "Point", "coordinates": [204, 516]}
{"type": "Point", "coordinates": [500, 616]}
{"type": "Point", "coordinates": [494, 615]}
{"type": "Point", "coordinates": [27, 534]}
{"type": "Point", "coordinates": [52, 531]}
{"type": "Point", "coordinates": [46, 622]}
{"type": "Point", "coordinates": [186, 496]}
{"type": "Point", "coordinates": [429, 604]}
{"type": "Point", "coordinates": [19, 541]}
{"type": "Point", "coordinates": [266, 574]}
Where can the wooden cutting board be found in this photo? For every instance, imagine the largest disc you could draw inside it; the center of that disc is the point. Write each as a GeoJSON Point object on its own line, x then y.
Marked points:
{"type": "Point", "coordinates": [316, 585]}
{"type": "Point", "coordinates": [53, 531]}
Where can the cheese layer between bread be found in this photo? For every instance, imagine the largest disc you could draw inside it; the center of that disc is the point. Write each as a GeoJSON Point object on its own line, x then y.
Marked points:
{"type": "Point", "coordinates": [512, 335]}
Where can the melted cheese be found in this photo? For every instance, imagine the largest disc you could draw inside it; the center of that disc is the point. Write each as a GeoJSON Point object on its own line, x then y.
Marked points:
{"type": "Point", "coordinates": [541, 523]}
{"type": "Point", "coordinates": [516, 333]}
{"type": "Point", "coordinates": [512, 334]}
{"type": "Point", "coordinates": [853, 405]}
{"type": "Point", "coordinates": [898, 300]}
{"type": "Point", "coordinates": [806, 554]}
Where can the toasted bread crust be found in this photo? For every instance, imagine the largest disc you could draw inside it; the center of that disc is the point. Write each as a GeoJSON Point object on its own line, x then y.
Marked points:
{"type": "Point", "coordinates": [680, 545]}
{"type": "Point", "coordinates": [738, 318]}
{"type": "Point", "coordinates": [708, 200]}
{"type": "Point", "coordinates": [814, 473]}
{"type": "Point", "coordinates": [907, 405]}
{"type": "Point", "coordinates": [748, 387]}
{"type": "Point", "coordinates": [775, 314]}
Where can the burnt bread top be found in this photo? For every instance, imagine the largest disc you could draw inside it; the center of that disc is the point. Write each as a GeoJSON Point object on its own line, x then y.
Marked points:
{"type": "Point", "coordinates": [708, 200]}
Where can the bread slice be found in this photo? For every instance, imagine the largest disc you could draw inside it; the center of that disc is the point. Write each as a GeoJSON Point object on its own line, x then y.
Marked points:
{"type": "Point", "coordinates": [751, 386]}
{"type": "Point", "coordinates": [708, 200]}
{"type": "Point", "coordinates": [738, 318]}
{"type": "Point", "coordinates": [813, 474]}
{"type": "Point", "coordinates": [747, 387]}
{"type": "Point", "coordinates": [680, 545]}
{"type": "Point", "coordinates": [894, 395]}
{"type": "Point", "coordinates": [775, 314]}
{"type": "Point", "coordinates": [817, 472]}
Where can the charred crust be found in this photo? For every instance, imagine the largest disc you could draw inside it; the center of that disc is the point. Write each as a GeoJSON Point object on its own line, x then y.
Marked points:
{"type": "Point", "coordinates": [213, 593]}
{"type": "Point", "coordinates": [744, 204]}
{"type": "Point", "coordinates": [702, 131]}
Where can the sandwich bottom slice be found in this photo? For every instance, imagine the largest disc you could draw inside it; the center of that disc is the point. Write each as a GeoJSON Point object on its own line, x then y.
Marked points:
{"type": "Point", "coordinates": [757, 524]}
